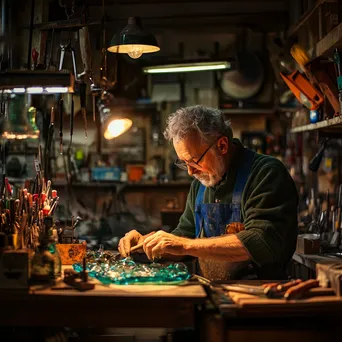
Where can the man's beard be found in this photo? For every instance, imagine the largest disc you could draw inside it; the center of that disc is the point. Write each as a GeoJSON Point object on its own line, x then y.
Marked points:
{"type": "Point", "coordinates": [210, 180]}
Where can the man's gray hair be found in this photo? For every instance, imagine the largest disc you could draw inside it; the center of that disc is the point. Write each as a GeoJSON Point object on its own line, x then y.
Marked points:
{"type": "Point", "coordinates": [208, 122]}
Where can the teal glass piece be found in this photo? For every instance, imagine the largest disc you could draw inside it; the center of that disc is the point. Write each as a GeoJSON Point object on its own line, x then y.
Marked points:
{"type": "Point", "coordinates": [103, 266]}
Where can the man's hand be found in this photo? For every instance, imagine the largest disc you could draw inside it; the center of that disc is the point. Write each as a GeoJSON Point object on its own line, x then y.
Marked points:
{"type": "Point", "coordinates": [130, 239]}
{"type": "Point", "coordinates": [162, 243]}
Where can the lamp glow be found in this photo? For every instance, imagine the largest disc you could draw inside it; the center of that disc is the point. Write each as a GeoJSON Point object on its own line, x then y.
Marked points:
{"type": "Point", "coordinates": [117, 127]}
{"type": "Point", "coordinates": [136, 51]}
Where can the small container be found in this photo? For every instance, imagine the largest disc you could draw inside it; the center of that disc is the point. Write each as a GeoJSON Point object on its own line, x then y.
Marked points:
{"type": "Point", "coordinates": [308, 244]}
{"type": "Point", "coordinates": [105, 173]}
{"type": "Point", "coordinates": [314, 116]}
{"type": "Point", "coordinates": [72, 253]}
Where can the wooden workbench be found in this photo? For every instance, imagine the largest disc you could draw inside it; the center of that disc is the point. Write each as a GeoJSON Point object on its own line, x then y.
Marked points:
{"type": "Point", "coordinates": [304, 265]}
{"type": "Point", "coordinates": [312, 319]}
{"type": "Point", "coordinates": [168, 306]}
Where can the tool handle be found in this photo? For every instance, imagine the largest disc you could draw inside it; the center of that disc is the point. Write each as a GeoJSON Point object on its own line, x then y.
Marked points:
{"type": "Point", "coordinates": [286, 286]}
{"type": "Point", "coordinates": [135, 248]}
{"type": "Point", "coordinates": [298, 290]}
{"type": "Point", "coordinates": [72, 116]}
{"type": "Point", "coordinates": [83, 94]}
{"type": "Point", "coordinates": [34, 56]}
{"type": "Point", "coordinates": [316, 160]}
{"type": "Point", "coordinates": [52, 116]}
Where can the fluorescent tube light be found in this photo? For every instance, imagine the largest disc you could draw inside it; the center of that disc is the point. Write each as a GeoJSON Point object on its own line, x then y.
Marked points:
{"type": "Point", "coordinates": [59, 90]}
{"type": "Point", "coordinates": [37, 90]}
{"type": "Point", "coordinates": [19, 79]}
{"type": "Point", "coordinates": [34, 90]}
{"type": "Point", "coordinates": [186, 67]}
{"type": "Point", "coordinates": [18, 90]}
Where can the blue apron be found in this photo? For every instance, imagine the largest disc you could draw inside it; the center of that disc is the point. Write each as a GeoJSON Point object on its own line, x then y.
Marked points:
{"type": "Point", "coordinates": [212, 218]}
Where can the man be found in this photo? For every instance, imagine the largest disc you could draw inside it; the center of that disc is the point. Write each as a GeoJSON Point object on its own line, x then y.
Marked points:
{"type": "Point", "coordinates": [240, 218]}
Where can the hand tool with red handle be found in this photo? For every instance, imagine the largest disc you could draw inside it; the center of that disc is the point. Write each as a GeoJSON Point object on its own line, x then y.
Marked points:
{"type": "Point", "coordinates": [300, 289]}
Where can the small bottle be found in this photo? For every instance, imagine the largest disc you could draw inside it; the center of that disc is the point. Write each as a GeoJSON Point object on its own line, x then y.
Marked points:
{"type": "Point", "coordinates": [43, 262]}
{"type": "Point", "coordinates": [55, 253]}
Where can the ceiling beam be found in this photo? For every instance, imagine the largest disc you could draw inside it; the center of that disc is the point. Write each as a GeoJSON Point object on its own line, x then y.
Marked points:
{"type": "Point", "coordinates": [271, 22]}
{"type": "Point", "coordinates": [157, 2]}
{"type": "Point", "coordinates": [192, 8]}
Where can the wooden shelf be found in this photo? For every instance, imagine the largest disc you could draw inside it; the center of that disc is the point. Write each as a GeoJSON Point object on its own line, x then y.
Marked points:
{"type": "Point", "coordinates": [306, 17]}
{"type": "Point", "coordinates": [248, 111]}
{"type": "Point", "coordinates": [326, 125]}
{"type": "Point", "coordinates": [326, 46]}
{"type": "Point", "coordinates": [126, 185]}
{"type": "Point", "coordinates": [303, 20]}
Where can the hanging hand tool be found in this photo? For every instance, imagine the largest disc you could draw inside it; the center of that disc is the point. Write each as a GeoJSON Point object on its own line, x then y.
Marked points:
{"type": "Point", "coordinates": [83, 89]}
{"type": "Point", "coordinates": [71, 121]}
{"type": "Point", "coordinates": [51, 128]}
{"type": "Point", "coordinates": [68, 48]}
{"type": "Point", "coordinates": [50, 65]}
{"type": "Point", "coordinates": [34, 59]}
{"type": "Point", "coordinates": [49, 140]}
{"type": "Point", "coordinates": [61, 104]}
{"type": "Point", "coordinates": [339, 208]}
{"type": "Point", "coordinates": [316, 160]}
{"type": "Point", "coordinates": [85, 49]}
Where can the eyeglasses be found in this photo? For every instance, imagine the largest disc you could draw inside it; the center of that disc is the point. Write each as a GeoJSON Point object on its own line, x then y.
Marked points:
{"type": "Point", "coordinates": [182, 164]}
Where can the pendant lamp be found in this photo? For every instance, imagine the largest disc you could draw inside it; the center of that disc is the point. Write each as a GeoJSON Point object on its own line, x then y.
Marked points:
{"type": "Point", "coordinates": [133, 40]}
{"type": "Point", "coordinates": [114, 122]}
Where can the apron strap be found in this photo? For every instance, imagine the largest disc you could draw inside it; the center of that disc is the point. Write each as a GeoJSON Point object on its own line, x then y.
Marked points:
{"type": "Point", "coordinates": [198, 216]}
{"type": "Point", "coordinates": [242, 175]}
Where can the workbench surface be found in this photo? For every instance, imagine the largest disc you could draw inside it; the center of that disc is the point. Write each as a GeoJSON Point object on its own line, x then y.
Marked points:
{"type": "Point", "coordinates": [168, 306]}
{"type": "Point", "coordinates": [310, 260]}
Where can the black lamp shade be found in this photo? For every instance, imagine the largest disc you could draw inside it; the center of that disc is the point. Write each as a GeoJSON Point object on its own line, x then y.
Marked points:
{"type": "Point", "coordinates": [133, 36]}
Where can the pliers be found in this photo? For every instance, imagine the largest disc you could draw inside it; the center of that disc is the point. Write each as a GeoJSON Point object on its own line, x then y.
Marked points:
{"type": "Point", "coordinates": [69, 48]}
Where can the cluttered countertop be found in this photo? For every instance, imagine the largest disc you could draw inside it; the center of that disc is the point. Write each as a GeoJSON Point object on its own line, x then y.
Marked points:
{"type": "Point", "coordinates": [170, 305]}
{"type": "Point", "coordinates": [63, 281]}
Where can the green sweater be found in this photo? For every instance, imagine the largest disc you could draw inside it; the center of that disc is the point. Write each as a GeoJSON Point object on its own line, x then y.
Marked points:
{"type": "Point", "coordinates": [269, 212]}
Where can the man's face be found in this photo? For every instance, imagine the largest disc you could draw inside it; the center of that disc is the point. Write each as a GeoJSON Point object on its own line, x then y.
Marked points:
{"type": "Point", "coordinates": [210, 169]}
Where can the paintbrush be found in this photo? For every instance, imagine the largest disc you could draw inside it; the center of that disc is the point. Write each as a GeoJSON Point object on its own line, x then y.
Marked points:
{"type": "Point", "coordinates": [132, 250]}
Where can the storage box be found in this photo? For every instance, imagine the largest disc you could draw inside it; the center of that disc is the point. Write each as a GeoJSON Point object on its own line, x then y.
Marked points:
{"type": "Point", "coordinates": [14, 269]}
{"type": "Point", "coordinates": [308, 244]}
{"type": "Point", "coordinates": [105, 173]}
{"type": "Point", "coordinates": [72, 253]}
{"type": "Point", "coordinates": [135, 172]}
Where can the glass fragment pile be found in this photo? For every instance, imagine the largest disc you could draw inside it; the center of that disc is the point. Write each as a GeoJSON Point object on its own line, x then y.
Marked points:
{"type": "Point", "coordinates": [103, 266]}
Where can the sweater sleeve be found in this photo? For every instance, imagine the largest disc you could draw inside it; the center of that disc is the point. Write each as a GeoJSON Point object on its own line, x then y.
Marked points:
{"type": "Point", "coordinates": [186, 225]}
{"type": "Point", "coordinates": [270, 215]}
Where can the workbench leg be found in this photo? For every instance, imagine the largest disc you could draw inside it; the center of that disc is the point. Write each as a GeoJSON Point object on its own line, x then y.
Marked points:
{"type": "Point", "coordinates": [212, 328]}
